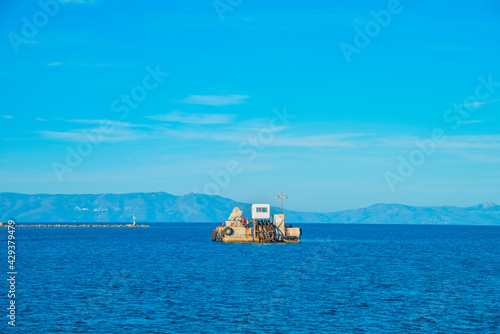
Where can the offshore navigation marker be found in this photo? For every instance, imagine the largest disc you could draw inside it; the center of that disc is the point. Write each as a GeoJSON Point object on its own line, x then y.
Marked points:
{"type": "Point", "coordinates": [261, 229]}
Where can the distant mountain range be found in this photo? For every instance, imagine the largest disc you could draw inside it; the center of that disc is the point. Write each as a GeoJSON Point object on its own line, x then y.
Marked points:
{"type": "Point", "coordinates": [163, 207]}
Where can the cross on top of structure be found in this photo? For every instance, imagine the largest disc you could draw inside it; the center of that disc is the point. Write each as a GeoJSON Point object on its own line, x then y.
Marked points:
{"type": "Point", "coordinates": [281, 198]}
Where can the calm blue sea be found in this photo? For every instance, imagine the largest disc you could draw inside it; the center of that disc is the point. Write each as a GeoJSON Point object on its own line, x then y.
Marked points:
{"type": "Point", "coordinates": [171, 278]}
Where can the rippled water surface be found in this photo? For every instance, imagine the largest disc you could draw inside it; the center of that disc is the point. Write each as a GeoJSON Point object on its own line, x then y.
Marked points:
{"type": "Point", "coordinates": [171, 278]}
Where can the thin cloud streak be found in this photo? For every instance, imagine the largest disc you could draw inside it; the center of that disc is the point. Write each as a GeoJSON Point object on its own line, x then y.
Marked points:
{"type": "Point", "coordinates": [215, 100]}
{"type": "Point", "coordinates": [451, 142]}
{"type": "Point", "coordinates": [238, 136]}
{"type": "Point", "coordinates": [331, 140]}
{"type": "Point", "coordinates": [478, 104]}
{"type": "Point", "coordinates": [190, 128]}
{"type": "Point", "coordinates": [105, 122]}
{"type": "Point", "coordinates": [107, 131]}
{"type": "Point", "coordinates": [56, 63]}
{"type": "Point", "coordinates": [475, 121]}
{"type": "Point", "coordinates": [93, 135]}
{"type": "Point", "coordinates": [177, 116]}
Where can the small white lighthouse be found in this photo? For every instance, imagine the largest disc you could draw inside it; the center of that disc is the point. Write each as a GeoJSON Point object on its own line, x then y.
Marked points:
{"type": "Point", "coordinates": [134, 220]}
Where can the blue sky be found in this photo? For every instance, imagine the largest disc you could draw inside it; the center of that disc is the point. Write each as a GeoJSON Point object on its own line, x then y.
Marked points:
{"type": "Point", "coordinates": [211, 124]}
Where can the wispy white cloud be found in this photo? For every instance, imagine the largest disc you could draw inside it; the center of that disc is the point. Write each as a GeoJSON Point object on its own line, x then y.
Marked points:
{"type": "Point", "coordinates": [103, 65]}
{"type": "Point", "coordinates": [8, 117]}
{"type": "Point", "coordinates": [479, 104]}
{"type": "Point", "coordinates": [329, 140]}
{"type": "Point", "coordinates": [451, 142]}
{"type": "Point", "coordinates": [475, 121]}
{"type": "Point", "coordinates": [106, 131]}
{"type": "Point", "coordinates": [57, 63]}
{"type": "Point", "coordinates": [31, 42]}
{"type": "Point", "coordinates": [93, 134]}
{"type": "Point", "coordinates": [191, 134]}
{"type": "Point", "coordinates": [216, 100]}
{"type": "Point", "coordinates": [62, 135]}
{"type": "Point", "coordinates": [41, 119]}
{"type": "Point", "coordinates": [475, 104]}
{"type": "Point", "coordinates": [240, 135]}
{"type": "Point", "coordinates": [471, 156]}
{"type": "Point", "coordinates": [178, 116]}
{"type": "Point", "coordinates": [472, 142]}
{"type": "Point", "coordinates": [185, 126]}
{"type": "Point", "coordinates": [106, 122]}
{"type": "Point", "coordinates": [339, 140]}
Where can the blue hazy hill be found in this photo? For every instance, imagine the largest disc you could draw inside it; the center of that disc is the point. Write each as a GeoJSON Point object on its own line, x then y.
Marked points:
{"type": "Point", "coordinates": [164, 207]}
